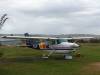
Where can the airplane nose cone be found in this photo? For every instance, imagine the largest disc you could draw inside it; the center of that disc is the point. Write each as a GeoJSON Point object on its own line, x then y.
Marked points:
{"type": "Point", "coordinates": [76, 45]}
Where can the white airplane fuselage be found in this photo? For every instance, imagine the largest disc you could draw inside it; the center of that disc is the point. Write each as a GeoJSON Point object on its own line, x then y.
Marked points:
{"type": "Point", "coordinates": [64, 47]}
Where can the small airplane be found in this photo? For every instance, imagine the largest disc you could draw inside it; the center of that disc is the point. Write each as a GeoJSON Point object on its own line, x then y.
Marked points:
{"type": "Point", "coordinates": [51, 44]}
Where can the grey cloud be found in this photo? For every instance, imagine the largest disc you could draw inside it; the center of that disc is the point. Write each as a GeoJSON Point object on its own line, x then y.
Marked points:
{"type": "Point", "coordinates": [55, 9]}
{"type": "Point", "coordinates": [52, 17]}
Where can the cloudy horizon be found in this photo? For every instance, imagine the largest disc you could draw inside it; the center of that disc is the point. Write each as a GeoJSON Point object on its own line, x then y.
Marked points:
{"type": "Point", "coordinates": [51, 16]}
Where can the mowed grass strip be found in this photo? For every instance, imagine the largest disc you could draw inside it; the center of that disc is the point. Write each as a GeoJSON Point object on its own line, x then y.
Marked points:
{"type": "Point", "coordinates": [20, 61]}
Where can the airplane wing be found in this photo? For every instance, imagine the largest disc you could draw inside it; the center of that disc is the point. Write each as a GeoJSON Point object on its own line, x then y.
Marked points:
{"type": "Point", "coordinates": [79, 38]}
{"type": "Point", "coordinates": [26, 37]}
{"type": "Point", "coordinates": [31, 37]}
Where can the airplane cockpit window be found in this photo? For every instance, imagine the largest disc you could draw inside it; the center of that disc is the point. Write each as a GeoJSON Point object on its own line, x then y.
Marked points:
{"type": "Point", "coordinates": [51, 42]}
{"type": "Point", "coordinates": [55, 41]}
{"type": "Point", "coordinates": [61, 40]}
{"type": "Point", "coordinates": [58, 41]}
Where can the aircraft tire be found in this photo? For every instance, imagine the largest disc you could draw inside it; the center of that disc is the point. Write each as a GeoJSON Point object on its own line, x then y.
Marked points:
{"type": "Point", "coordinates": [36, 46]}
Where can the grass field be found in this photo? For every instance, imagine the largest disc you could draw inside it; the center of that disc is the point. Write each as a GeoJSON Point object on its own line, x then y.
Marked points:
{"type": "Point", "coordinates": [21, 61]}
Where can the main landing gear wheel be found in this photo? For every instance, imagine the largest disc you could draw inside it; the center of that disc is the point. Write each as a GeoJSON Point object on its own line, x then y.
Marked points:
{"type": "Point", "coordinates": [36, 46]}
{"type": "Point", "coordinates": [67, 57]}
{"type": "Point", "coordinates": [44, 56]}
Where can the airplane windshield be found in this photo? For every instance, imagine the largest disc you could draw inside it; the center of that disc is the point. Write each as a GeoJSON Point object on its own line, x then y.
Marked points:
{"type": "Point", "coordinates": [55, 41]}
{"type": "Point", "coordinates": [61, 40]}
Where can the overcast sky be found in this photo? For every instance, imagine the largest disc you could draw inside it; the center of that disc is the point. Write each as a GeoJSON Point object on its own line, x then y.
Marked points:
{"type": "Point", "coordinates": [51, 16]}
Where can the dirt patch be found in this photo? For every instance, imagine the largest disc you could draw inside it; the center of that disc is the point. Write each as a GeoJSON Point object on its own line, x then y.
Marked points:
{"type": "Point", "coordinates": [91, 69]}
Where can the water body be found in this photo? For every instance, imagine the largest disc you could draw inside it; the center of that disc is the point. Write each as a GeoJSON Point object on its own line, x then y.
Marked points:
{"type": "Point", "coordinates": [10, 41]}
